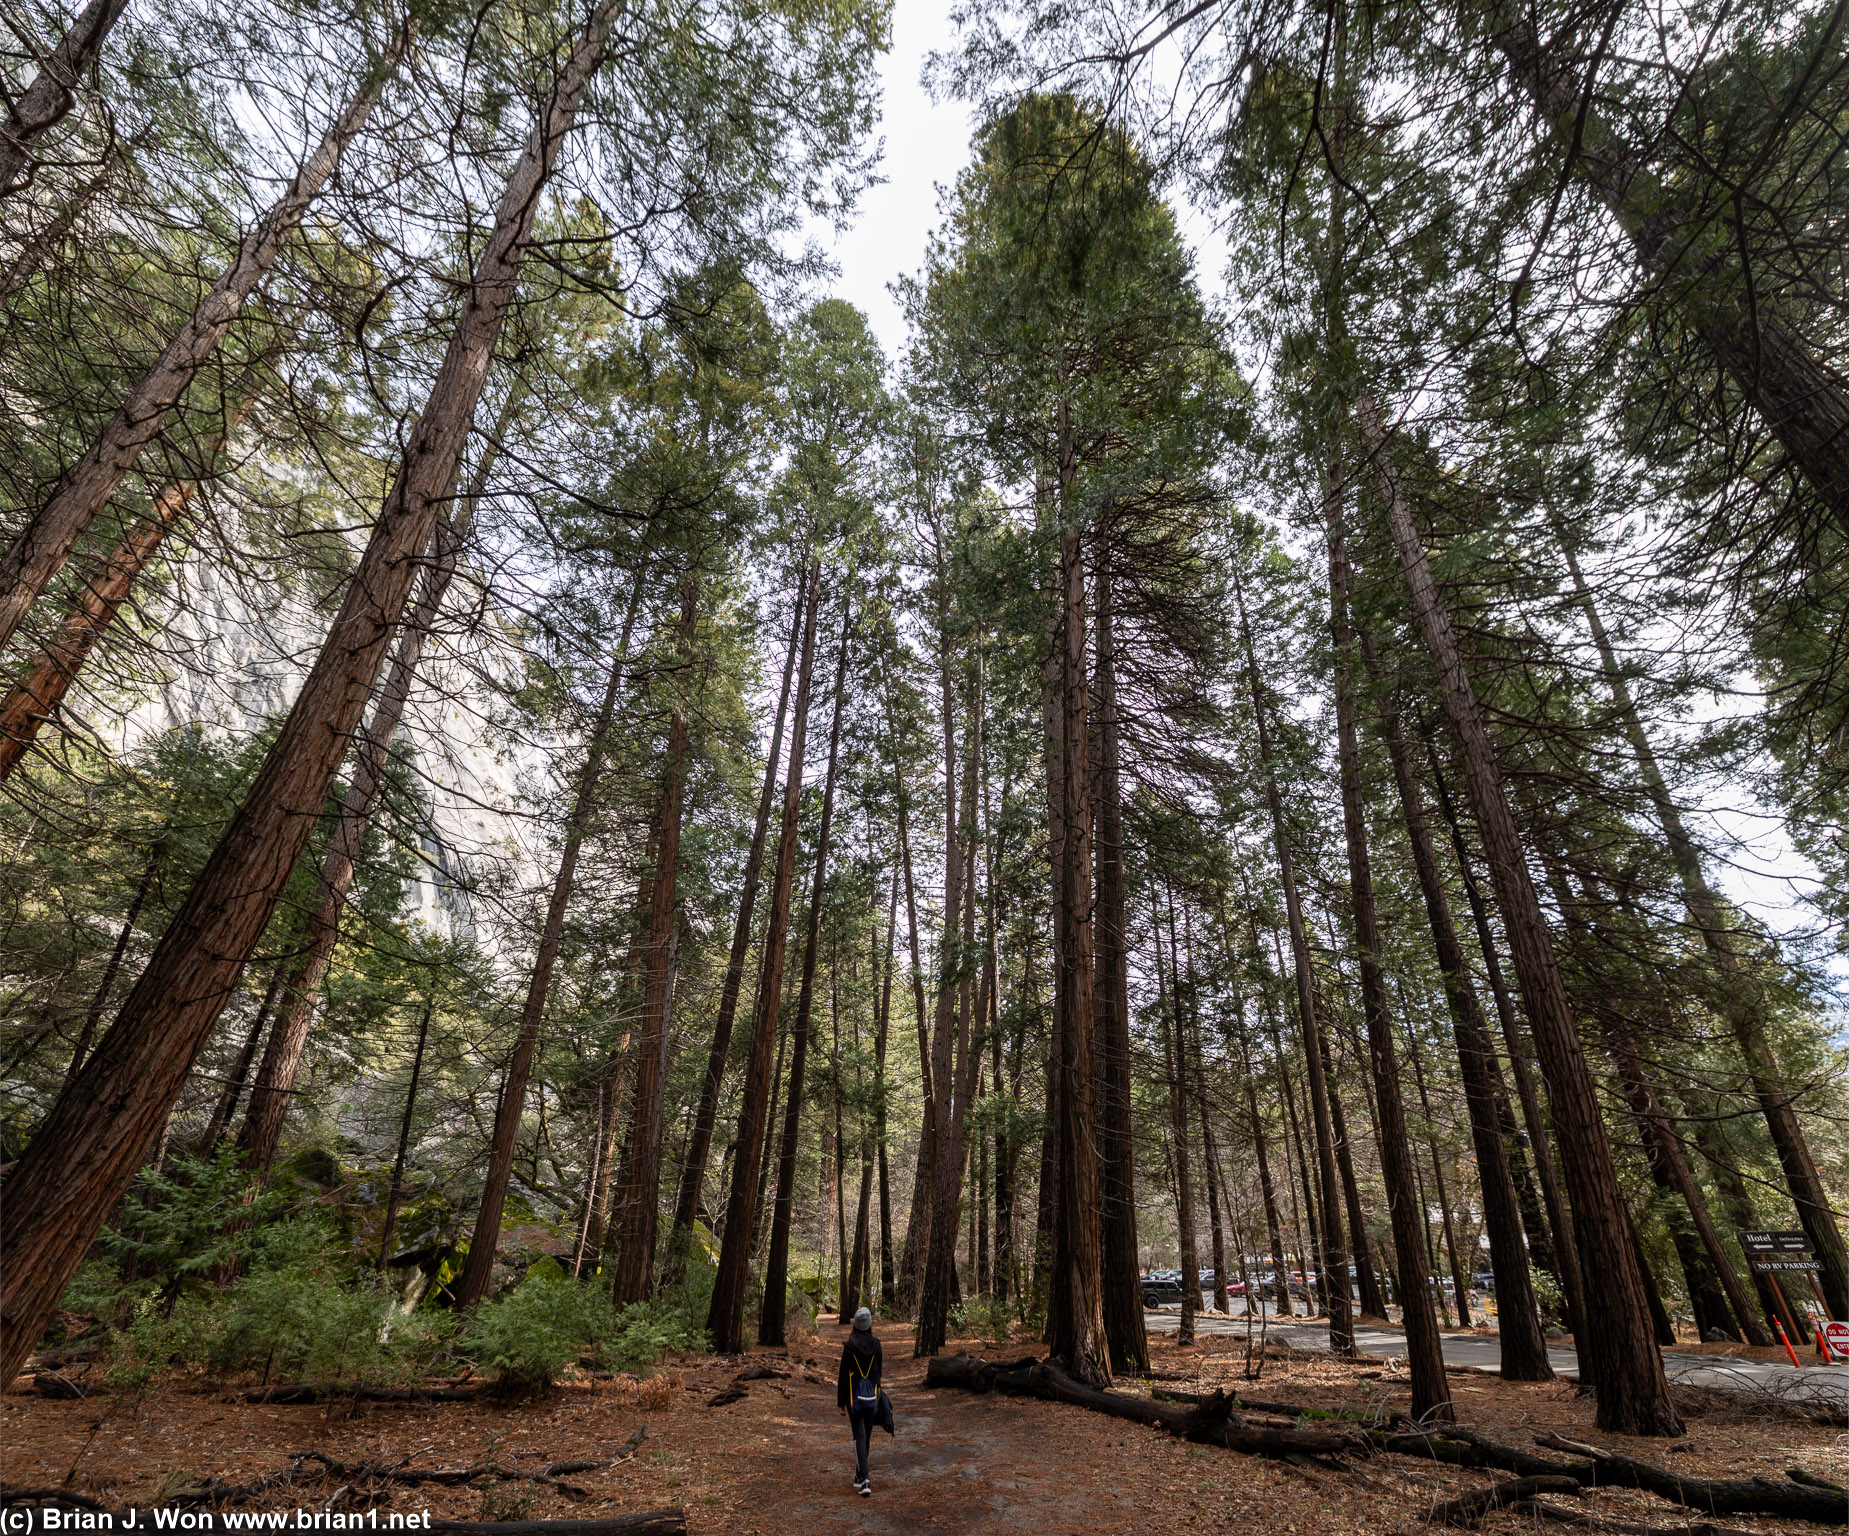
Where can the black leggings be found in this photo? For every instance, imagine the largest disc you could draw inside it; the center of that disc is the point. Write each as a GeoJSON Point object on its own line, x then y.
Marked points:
{"type": "Point", "coordinates": [863, 1434]}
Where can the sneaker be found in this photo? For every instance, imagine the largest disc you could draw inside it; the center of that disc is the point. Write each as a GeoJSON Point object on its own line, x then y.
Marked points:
{"type": "Point", "coordinates": [866, 1489]}
{"type": "Point", "coordinates": [857, 1485]}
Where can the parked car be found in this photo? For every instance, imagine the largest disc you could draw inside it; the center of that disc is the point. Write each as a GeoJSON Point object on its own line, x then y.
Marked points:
{"type": "Point", "coordinates": [1160, 1288]}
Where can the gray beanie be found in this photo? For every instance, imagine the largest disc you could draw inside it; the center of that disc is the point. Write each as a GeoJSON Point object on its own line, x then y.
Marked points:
{"type": "Point", "coordinates": [863, 1321]}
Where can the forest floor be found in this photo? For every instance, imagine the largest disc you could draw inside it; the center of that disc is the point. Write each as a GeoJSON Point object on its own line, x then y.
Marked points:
{"type": "Point", "coordinates": [779, 1460]}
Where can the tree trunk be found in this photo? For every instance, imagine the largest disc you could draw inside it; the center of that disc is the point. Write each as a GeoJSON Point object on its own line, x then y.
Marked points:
{"type": "Point", "coordinates": [1169, 1017]}
{"type": "Point", "coordinates": [954, 1076]}
{"type": "Point", "coordinates": [472, 1285]}
{"type": "Point", "coordinates": [1615, 1337]}
{"type": "Point", "coordinates": [1563, 1252]}
{"type": "Point", "coordinates": [1523, 1347]}
{"type": "Point", "coordinates": [726, 1313]}
{"type": "Point", "coordinates": [43, 545]}
{"type": "Point", "coordinates": [107, 985]}
{"type": "Point", "coordinates": [1209, 1151]}
{"type": "Point", "coordinates": [52, 92]}
{"type": "Point", "coordinates": [1801, 400]}
{"type": "Point", "coordinates": [777, 1265]}
{"type": "Point", "coordinates": [918, 1219]}
{"type": "Point", "coordinates": [888, 1281]}
{"type": "Point", "coordinates": [404, 1135]}
{"type": "Point", "coordinates": [687, 1204]}
{"type": "Point", "coordinates": [1075, 1312]}
{"type": "Point", "coordinates": [89, 1147]}
{"type": "Point", "coordinates": [1736, 997]}
{"type": "Point", "coordinates": [1333, 1255]}
{"type": "Point", "coordinates": [1123, 1301]}
{"type": "Point", "coordinates": [282, 1055]}
{"type": "Point", "coordinates": [639, 1207]}
{"type": "Point", "coordinates": [228, 1097]}
{"type": "Point", "coordinates": [1431, 1397]}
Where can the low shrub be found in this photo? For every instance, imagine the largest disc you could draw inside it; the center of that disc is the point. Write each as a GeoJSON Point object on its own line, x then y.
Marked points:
{"type": "Point", "coordinates": [527, 1334]}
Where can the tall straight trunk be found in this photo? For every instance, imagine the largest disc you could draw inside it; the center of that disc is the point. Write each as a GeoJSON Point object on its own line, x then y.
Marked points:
{"type": "Point", "coordinates": [1304, 1219]}
{"type": "Point", "coordinates": [639, 1204]}
{"type": "Point", "coordinates": [1169, 1017]}
{"type": "Point", "coordinates": [956, 1057]}
{"type": "Point", "coordinates": [1459, 1274]}
{"type": "Point", "coordinates": [1523, 1347]}
{"type": "Point", "coordinates": [1075, 1312]}
{"type": "Point", "coordinates": [396, 1190]}
{"type": "Point", "coordinates": [91, 1144]}
{"type": "Point", "coordinates": [726, 1313]}
{"type": "Point", "coordinates": [888, 1280]}
{"type": "Point", "coordinates": [1615, 1338]}
{"type": "Point", "coordinates": [1563, 1251]}
{"type": "Point", "coordinates": [1123, 1301]}
{"type": "Point", "coordinates": [1360, 1249]}
{"type": "Point", "coordinates": [1209, 1152]}
{"type": "Point", "coordinates": [229, 1095]}
{"type": "Point", "coordinates": [1801, 400]}
{"type": "Point", "coordinates": [1267, 1189]}
{"type": "Point", "coordinates": [1431, 1396]}
{"type": "Point", "coordinates": [282, 1055]}
{"type": "Point", "coordinates": [48, 676]}
{"type": "Point", "coordinates": [1333, 1250]}
{"type": "Point", "coordinates": [777, 1263]}
{"type": "Point", "coordinates": [478, 1269]}
{"type": "Point", "coordinates": [1737, 997]}
{"type": "Point", "coordinates": [687, 1203]}
{"type": "Point", "coordinates": [918, 1220]}
{"type": "Point", "coordinates": [52, 93]}
{"type": "Point", "coordinates": [43, 545]}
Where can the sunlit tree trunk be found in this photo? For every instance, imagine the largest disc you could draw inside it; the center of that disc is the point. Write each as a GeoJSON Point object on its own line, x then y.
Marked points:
{"type": "Point", "coordinates": [52, 93]}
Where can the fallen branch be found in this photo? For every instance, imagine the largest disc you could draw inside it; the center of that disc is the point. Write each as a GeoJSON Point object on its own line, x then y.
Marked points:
{"type": "Point", "coordinates": [1791, 1500]}
{"type": "Point", "coordinates": [1473, 1506]}
{"type": "Point", "coordinates": [1587, 1522]}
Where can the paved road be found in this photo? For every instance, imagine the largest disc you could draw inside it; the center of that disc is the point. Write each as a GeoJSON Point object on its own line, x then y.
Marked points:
{"type": "Point", "coordinates": [1484, 1352]}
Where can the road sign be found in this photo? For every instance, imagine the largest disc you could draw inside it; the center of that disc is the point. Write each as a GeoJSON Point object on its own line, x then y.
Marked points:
{"type": "Point", "coordinates": [1765, 1266]}
{"type": "Point", "coordinates": [1773, 1244]}
{"type": "Point", "coordinates": [1836, 1335]}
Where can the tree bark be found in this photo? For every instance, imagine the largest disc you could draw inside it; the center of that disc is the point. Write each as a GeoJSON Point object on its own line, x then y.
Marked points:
{"type": "Point", "coordinates": [43, 545]}
{"type": "Point", "coordinates": [699, 1147]}
{"type": "Point", "coordinates": [777, 1264]}
{"type": "Point", "coordinates": [1075, 1312]}
{"type": "Point", "coordinates": [1169, 1017]}
{"type": "Point", "coordinates": [1431, 1397]}
{"type": "Point", "coordinates": [1523, 1347]}
{"type": "Point", "coordinates": [93, 1141]}
{"type": "Point", "coordinates": [918, 1219]}
{"type": "Point", "coordinates": [639, 1207]}
{"type": "Point", "coordinates": [726, 1313]}
{"type": "Point", "coordinates": [1633, 1391]}
{"type": "Point", "coordinates": [52, 93]}
{"type": "Point", "coordinates": [1735, 998]}
{"type": "Point", "coordinates": [1123, 1301]}
{"type": "Point", "coordinates": [953, 1075]}
{"type": "Point", "coordinates": [1333, 1257]}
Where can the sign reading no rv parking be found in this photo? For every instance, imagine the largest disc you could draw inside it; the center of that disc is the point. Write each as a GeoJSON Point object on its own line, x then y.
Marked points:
{"type": "Point", "coordinates": [1771, 1252]}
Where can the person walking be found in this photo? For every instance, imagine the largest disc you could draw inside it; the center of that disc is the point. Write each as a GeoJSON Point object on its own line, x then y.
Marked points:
{"type": "Point", "coordinates": [857, 1392]}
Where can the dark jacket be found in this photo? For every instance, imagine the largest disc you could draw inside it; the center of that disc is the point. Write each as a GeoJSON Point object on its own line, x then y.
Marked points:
{"type": "Point", "coordinates": [860, 1358]}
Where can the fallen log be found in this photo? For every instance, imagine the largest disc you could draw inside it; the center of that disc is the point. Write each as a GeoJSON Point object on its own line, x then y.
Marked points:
{"type": "Point", "coordinates": [1213, 1421]}
{"type": "Point", "coordinates": [1789, 1500]}
{"type": "Point", "coordinates": [1587, 1522]}
{"type": "Point", "coordinates": [1473, 1506]}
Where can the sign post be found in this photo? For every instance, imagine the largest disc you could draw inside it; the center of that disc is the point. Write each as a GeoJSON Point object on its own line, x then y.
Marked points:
{"type": "Point", "coordinates": [1772, 1253]}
